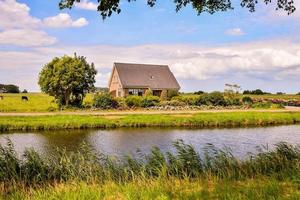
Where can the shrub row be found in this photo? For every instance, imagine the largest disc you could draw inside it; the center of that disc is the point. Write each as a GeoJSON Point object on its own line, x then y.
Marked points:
{"type": "Point", "coordinates": [106, 101]}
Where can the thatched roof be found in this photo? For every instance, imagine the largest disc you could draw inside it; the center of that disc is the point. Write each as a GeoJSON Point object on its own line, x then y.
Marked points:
{"type": "Point", "coordinates": [146, 76]}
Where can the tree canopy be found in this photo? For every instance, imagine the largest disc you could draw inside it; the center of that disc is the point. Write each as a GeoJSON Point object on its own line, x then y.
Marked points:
{"type": "Point", "coordinates": [9, 88]}
{"type": "Point", "coordinates": [68, 79]}
{"type": "Point", "coordinates": [108, 7]}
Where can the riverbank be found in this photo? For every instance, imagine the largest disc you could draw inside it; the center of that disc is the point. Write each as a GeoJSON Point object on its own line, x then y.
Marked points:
{"type": "Point", "coordinates": [184, 174]}
{"type": "Point", "coordinates": [197, 120]}
{"type": "Point", "coordinates": [260, 188]}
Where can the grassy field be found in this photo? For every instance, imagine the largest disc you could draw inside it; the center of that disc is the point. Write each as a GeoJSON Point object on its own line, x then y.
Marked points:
{"type": "Point", "coordinates": [183, 174]}
{"type": "Point", "coordinates": [39, 102]}
{"type": "Point", "coordinates": [199, 120]}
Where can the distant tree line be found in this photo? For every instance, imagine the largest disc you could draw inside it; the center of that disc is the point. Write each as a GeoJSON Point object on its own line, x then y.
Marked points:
{"type": "Point", "coordinates": [257, 92]}
{"type": "Point", "coordinates": [9, 88]}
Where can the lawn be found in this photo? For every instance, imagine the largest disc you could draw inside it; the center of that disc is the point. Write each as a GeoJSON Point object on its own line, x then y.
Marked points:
{"type": "Point", "coordinates": [37, 102]}
{"type": "Point", "coordinates": [199, 120]}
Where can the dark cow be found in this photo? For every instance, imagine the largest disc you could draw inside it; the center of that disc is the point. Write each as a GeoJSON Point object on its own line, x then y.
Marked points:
{"type": "Point", "coordinates": [24, 98]}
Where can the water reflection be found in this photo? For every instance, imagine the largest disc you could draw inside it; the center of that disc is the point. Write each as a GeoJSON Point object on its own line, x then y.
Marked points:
{"type": "Point", "coordinates": [123, 141]}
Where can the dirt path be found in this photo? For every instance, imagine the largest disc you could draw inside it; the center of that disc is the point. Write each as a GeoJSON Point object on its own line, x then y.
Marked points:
{"type": "Point", "coordinates": [108, 113]}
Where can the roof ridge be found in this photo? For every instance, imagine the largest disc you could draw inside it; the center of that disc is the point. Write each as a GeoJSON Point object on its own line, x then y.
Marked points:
{"type": "Point", "coordinates": [140, 64]}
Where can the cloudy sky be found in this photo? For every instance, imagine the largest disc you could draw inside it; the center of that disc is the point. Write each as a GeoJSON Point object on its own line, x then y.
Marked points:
{"type": "Point", "coordinates": [255, 50]}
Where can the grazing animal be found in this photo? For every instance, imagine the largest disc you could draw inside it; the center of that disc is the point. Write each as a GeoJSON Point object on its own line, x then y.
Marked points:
{"type": "Point", "coordinates": [1, 97]}
{"type": "Point", "coordinates": [24, 98]}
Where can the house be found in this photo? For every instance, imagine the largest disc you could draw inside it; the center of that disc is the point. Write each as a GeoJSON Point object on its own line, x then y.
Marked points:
{"type": "Point", "coordinates": [134, 79]}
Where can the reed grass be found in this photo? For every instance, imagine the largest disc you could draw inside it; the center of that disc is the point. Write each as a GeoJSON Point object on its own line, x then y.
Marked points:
{"type": "Point", "coordinates": [200, 120]}
{"type": "Point", "coordinates": [182, 174]}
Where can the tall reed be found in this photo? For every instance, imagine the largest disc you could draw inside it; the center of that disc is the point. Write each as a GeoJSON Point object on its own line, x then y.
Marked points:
{"type": "Point", "coordinates": [184, 163]}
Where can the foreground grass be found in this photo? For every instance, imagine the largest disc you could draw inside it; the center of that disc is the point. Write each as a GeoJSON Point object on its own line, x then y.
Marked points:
{"type": "Point", "coordinates": [184, 174]}
{"type": "Point", "coordinates": [200, 120]}
{"type": "Point", "coordinates": [260, 188]}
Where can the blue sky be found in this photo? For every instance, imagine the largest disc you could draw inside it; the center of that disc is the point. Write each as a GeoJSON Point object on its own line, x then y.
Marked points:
{"type": "Point", "coordinates": [255, 50]}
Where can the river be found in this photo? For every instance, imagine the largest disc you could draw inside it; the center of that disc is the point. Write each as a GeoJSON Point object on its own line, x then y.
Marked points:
{"type": "Point", "coordinates": [119, 142]}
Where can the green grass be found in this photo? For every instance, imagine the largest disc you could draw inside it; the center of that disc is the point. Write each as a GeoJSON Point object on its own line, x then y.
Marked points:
{"type": "Point", "coordinates": [38, 102]}
{"type": "Point", "coordinates": [265, 96]}
{"type": "Point", "coordinates": [200, 120]}
{"type": "Point", "coordinates": [275, 96]}
{"type": "Point", "coordinates": [167, 189]}
{"type": "Point", "coordinates": [183, 174]}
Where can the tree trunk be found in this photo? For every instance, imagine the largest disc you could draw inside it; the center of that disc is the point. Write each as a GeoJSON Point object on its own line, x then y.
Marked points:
{"type": "Point", "coordinates": [67, 98]}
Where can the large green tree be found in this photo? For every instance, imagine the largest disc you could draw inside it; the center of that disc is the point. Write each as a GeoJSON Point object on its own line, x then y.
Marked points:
{"type": "Point", "coordinates": [108, 7]}
{"type": "Point", "coordinates": [68, 79]}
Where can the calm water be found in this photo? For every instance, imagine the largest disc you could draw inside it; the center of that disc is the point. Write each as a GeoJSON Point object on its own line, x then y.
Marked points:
{"type": "Point", "coordinates": [123, 141]}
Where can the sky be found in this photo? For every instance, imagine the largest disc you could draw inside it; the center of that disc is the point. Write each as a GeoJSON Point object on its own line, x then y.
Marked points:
{"type": "Point", "coordinates": [254, 50]}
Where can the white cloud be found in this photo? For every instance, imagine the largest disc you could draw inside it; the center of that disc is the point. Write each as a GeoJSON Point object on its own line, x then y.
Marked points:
{"type": "Point", "coordinates": [86, 5]}
{"type": "Point", "coordinates": [64, 20]}
{"type": "Point", "coordinates": [18, 27]}
{"type": "Point", "coordinates": [16, 15]}
{"type": "Point", "coordinates": [272, 60]}
{"type": "Point", "coordinates": [234, 32]}
{"type": "Point", "coordinates": [26, 38]}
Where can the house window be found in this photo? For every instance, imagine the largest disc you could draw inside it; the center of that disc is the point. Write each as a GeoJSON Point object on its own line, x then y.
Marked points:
{"type": "Point", "coordinates": [137, 92]}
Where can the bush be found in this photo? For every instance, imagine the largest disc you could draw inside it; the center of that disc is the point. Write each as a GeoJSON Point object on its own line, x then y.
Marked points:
{"type": "Point", "coordinates": [164, 95]}
{"type": "Point", "coordinates": [51, 109]}
{"type": "Point", "coordinates": [121, 102]}
{"type": "Point", "coordinates": [264, 105]}
{"type": "Point", "coordinates": [172, 93]}
{"type": "Point", "coordinates": [148, 92]}
{"type": "Point", "coordinates": [133, 101]}
{"type": "Point", "coordinates": [233, 101]}
{"type": "Point", "coordinates": [186, 99]}
{"type": "Point", "coordinates": [172, 103]}
{"type": "Point", "coordinates": [277, 106]}
{"type": "Point", "coordinates": [247, 100]}
{"type": "Point", "coordinates": [199, 92]}
{"type": "Point", "coordinates": [104, 101]}
{"type": "Point", "coordinates": [149, 101]}
{"type": "Point", "coordinates": [214, 98]}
